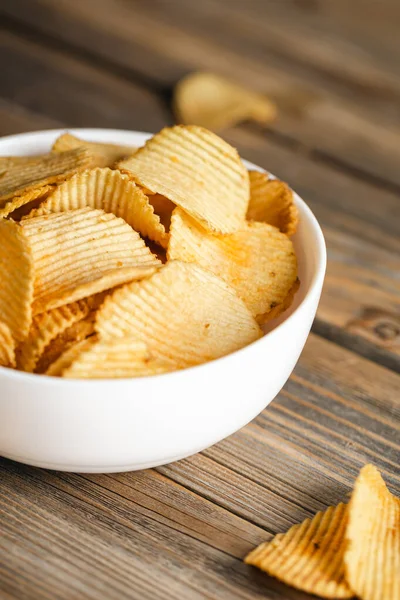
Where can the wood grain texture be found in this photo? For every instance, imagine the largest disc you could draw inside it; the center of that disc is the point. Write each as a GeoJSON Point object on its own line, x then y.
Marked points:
{"type": "Point", "coordinates": [354, 126]}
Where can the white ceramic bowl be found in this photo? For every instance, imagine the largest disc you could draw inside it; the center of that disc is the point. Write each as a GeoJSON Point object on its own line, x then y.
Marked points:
{"type": "Point", "coordinates": [128, 424]}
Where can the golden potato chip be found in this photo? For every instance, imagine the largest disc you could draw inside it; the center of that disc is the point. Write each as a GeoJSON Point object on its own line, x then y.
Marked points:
{"type": "Point", "coordinates": [275, 312]}
{"type": "Point", "coordinates": [77, 332]}
{"type": "Point", "coordinates": [214, 102]}
{"type": "Point", "coordinates": [196, 170]}
{"type": "Point", "coordinates": [271, 201]}
{"type": "Point", "coordinates": [121, 357]}
{"type": "Point", "coordinates": [184, 314]}
{"type": "Point", "coordinates": [372, 557]}
{"type": "Point", "coordinates": [17, 279]}
{"type": "Point", "coordinates": [309, 556]}
{"type": "Point", "coordinates": [112, 192]}
{"type": "Point", "coordinates": [7, 347]}
{"type": "Point", "coordinates": [82, 252]}
{"type": "Point", "coordinates": [103, 155]}
{"type": "Point", "coordinates": [67, 358]}
{"type": "Point", "coordinates": [18, 201]}
{"type": "Point", "coordinates": [45, 328]}
{"type": "Point", "coordinates": [163, 208]}
{"type": "Point", "coordinates": [50, 168]}
{"type": "Point", "coordinates": [258, 261]}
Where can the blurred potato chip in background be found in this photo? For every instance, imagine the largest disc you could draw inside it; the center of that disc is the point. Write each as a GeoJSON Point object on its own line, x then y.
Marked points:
{"type": "Point", "coordinates": [258, 261]}
{"type": "Point", "coordinates": [372, 555]}
{"type": "Point", "coordinates": [112, 192]}
{"type": "Point", "coordinates": [184, 314]}
{"type": "Point", "coordinates": [271, 201]}
{"type": "Point", "coordinates": [211, 101]}
{"type": "Point", "coordinates": [103, 155]}
{"type": "Point", "coordinates": [309, 556]}
{"type": "Point", "coordinates": [196, 170]}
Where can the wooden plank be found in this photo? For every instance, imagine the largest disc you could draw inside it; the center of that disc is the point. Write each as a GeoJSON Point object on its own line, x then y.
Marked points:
{"type": "Point", "coordinates": [357, 129]}
{"type": "Point", "coordinates": [66, 90]}
{"type": "Point", "coordinates": [180, 531]}
{"type": "Point", "coordinates": [69, 536]}
{"type": "Point", "coordinates": [17, 119]}
{"type": "Point", "coordinates": [360, 305]}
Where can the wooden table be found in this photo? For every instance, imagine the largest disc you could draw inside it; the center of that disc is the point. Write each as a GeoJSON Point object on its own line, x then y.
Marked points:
{"type": "Point", "coordinates": [333, 67]}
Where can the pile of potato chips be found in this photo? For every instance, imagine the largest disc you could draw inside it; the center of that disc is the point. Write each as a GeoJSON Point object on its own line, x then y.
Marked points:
{"type": "Point", "coordinates": [124, 262]}
{"type": "Point", "coordinates": [346, 551]}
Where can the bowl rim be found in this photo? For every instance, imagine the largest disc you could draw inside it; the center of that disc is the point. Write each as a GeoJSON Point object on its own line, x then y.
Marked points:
{"type": "Point", "coordinates": [314, 286]}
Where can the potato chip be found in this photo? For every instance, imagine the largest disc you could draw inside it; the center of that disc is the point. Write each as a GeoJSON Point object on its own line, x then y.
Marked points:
{"type": "Point", "coordinates": [67, 358]}
{"type": "Point", "coordinates": [50, 168]}
{"type": "Point", "coordinates": [271, 201]}
{"type": "Point", "coordinates": [214, 102]}
{"type": "Point", "coordinates": [19, 201]}
{"type": "Point", "coordinates": [258, 261]}
{"type": "Point", "coordinates": [184, 314]}
{"type": "Point", "coordinates": [196, 170]}
{"type": "Point", "coordinates": [121, 357]}
{"type": "Point", "coordinates": [372, 557]}
{"type": "Point", "coordinates": [112, 192]}
{"type": "Point", "coordinates": [17, 279]}
{"type": "Point", "coordinates": [163, 208]}
{"type": "Point", "coordinates": [77, 332]}
{"type": "Point", "coordinates": [309, 556]}
{"type": "Point", "coordinates": [82, 252]}
{"type": "Point", "coordinates": [45, 328]}
{"type": "Point", "coordinates": [7, 347]}
{"type": "Point", "coordinates": [103, 155]}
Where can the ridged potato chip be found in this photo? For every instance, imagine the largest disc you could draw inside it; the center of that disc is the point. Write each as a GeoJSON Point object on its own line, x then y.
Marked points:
{"type": "Point", "coordinates": [372, 557]}
{"type": "Point", "coordinates": [77, 332]}
{"type": "Point", "coordinates": [17, 279]}
{"type": "Point", "coordinates": [103, 155]}
{"type": "Point", "coordinates": [66, 359]}
{"type": "Point", "coordinates": [23, 179]}
{"type": "Point", "coordinates": [7, 347]}
{"type": "Point", "coordinates": [45, 328]}
{"type": "Point", "coordinates": [309, 556]}
{"type": "Point", "coordinates": [214, 102]}
{"type": "Point", "coordinates": [196, 170]}
{"type": "Point", "coordinates": [82, 252]}
{"type": "Point", "coordinates": [163, 208]}
{"type": "Point", "coordinates": [258, 261]}
{"type": "Point", "coordinates": [184, 314]}
{"type": "Point", "coordinates": [112, 192]}
{"type": "Point", "coordinates": [271, 201]}
{"type": "Point", "coordinates": [19, 201]}
{"type": "Point", "coordinates": [117, 358]}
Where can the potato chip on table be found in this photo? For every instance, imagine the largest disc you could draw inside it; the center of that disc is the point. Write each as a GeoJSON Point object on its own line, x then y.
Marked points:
{"type": "Point", "coordinates": [214, 102]}
{"type": "Point", "coordinates": [309, 556]}
{"type": "Point", "coordinates": [372, 557]}
{"type": "Point", "coordinates": [271, 201]}
{"type": "Point", "coordinates": [112, 192]}
{"type": "Point", "coordinates": [7, 347]}
{"type": "Point", "coordinates": [103, 155]}
{"type": "Point", "coordinates": [196, 170]}
{"type": "Point", "coordinates": [184, 314]}
{"type": "Point", "coordinates": [23, 182]}
{"type": "Point", "coordinates": [258, 260]}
